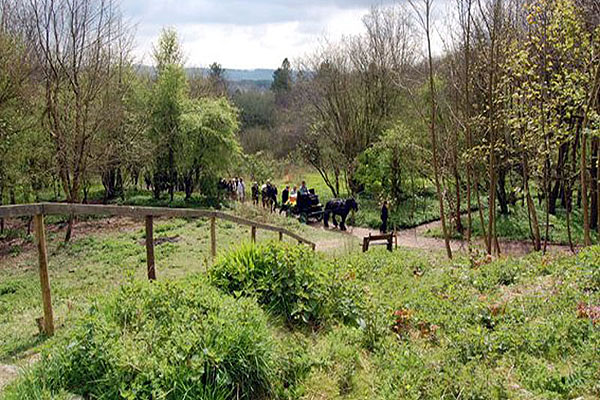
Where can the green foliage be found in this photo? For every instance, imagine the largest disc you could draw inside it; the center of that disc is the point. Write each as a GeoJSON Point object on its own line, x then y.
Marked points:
{"type": "Point", "coordinates": [286, 278]}
{"type": "Point", "coordinates": [194, 140]}
{"type": "Point", "coordinates": [210, 146]}
{"type": "Point", "coordinates": [259, 167]}
{"type": "Point", "coordinates": [282, 79]}
{"type": "Point", "coordinates": [515, 226]}
{"type": "Point", "coordinates": [168, 52]}
{"type": "Point", "coordinates": [161, 340]}
{"type": "Point", "coordinates": [167, 104]}
{"type": "Point", "coordinates": [407, 324]}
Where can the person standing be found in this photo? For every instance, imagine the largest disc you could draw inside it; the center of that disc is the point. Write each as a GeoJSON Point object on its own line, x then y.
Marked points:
{"type": "Point", "coordinates": [255, 193]}
{"type": "Point", "coordinates": [384, 217]}
{"type": "Point", "coordinates": [241, 189]}
{"type": "Point", "coordinates": [285, 195]}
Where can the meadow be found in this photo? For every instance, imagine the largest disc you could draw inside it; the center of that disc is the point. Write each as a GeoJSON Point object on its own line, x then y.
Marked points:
{"type": "Point", "coordinates": [287, 323]}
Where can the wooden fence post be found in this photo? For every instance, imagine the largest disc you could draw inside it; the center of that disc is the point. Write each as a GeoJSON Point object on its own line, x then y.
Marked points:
{"type": "Point", "coordinates": [150, 248]}
{"type": "Point", "coordinates": [280, 236]}
{"type": "Point", "coordinates": [40, 233]}
{"type": "Point", "coordinates": [253, 234]}
{"type": "Point", "coordinates": [213, 237]}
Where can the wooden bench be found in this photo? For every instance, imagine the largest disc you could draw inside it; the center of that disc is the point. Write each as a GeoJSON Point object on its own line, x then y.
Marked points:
{"type": "Point", "coordinates": [386, 239]}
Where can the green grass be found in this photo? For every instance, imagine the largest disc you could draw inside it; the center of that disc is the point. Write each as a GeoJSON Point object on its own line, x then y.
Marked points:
{"type": "Point", "coordinates": [97, 263]}
{"type": "Point", "coordinates": [427, 327]}
{"type": "Point", "coordinates": [422, 326]}
{"type": "Point", "coordinates": [515, 226]}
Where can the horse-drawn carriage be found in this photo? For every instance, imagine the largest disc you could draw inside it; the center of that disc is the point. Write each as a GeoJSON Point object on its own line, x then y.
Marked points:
{"type": "Point", "coordinates": [306, 207]}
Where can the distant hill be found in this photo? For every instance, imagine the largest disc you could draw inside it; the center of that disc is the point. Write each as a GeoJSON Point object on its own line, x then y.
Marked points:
{"type": "Point", "coordinates": [262, 75]}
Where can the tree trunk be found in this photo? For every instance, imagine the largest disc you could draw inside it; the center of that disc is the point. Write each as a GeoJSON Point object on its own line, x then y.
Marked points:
{"type": "Point", "coordinates": [1, 202]}
{"type": "Point", "coordinates": [583, 160]}
{"type": "Point", "coordinates": [594, 185]}
{"type": "Point", "coordinates": [467, 121]}
{"type": "Point", "coordinates": [188, 182]}
{"type": "Point", "coordinates": [458, 222]}
{"type": "Point", "coordinates": [501, 191]}
{"type": "Point", "coordinates": [558, 188]}
{"type": "Point", "coordinates": [535, 226]}
{"type": "Point", "coordinates": [434, 135]}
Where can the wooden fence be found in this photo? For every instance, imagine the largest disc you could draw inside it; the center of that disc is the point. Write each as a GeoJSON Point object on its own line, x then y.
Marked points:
{"type": "Point", "coordinates": [39, 210]}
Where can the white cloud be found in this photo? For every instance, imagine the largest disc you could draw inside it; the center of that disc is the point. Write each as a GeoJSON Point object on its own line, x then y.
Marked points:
{"type": "Point", "coordinates": [250, 33]}
{"type": "Point", "coordinates": [250, 46]}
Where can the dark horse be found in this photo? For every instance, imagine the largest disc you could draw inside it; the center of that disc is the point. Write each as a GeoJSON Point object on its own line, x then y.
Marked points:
{"type": "Point", "coordinates": [339, 207]}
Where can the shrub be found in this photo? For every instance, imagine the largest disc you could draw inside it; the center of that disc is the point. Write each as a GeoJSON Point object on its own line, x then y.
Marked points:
{"type": "Point", "coordinates": [162, 341]}
{"type": "Point", "coordinates": [288, 279]}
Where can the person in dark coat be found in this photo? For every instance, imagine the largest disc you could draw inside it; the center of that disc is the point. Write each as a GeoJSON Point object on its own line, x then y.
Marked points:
{"type": "Point", "coordinates": [285, 197]}
{"type": "Point", "coordinates": [255, 193]}
{"type": "Point", "coordinates": [285, 194]}
{"type": "Point", "coordinates": [384, 217]}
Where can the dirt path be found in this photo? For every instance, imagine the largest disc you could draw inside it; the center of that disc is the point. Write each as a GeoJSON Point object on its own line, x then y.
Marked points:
{"type": "Point", "coordinates": [414, 238]}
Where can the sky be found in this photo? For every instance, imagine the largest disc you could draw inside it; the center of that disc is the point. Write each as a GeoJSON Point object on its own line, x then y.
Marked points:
{"type": "Point", "coordinates": [244, 34]}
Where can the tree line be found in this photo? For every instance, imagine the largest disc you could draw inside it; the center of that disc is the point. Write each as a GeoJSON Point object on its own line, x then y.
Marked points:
{"type": "Point", "coordinates": [504, 113]}
{"type": "Point", "coordinates": [74, 109]}
{"type": "Point", "coordinates": [507, 112]}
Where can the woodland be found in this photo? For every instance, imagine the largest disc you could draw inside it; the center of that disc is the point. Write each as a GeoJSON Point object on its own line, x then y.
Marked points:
{"type": "Point", "coordinates": [480, 129]}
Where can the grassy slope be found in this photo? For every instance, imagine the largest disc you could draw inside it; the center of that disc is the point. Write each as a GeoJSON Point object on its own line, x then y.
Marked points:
{"type": "Point", "coordinates": [471, 329]}
{"type": "Point", "coordinates": [508, 329]}
{"type": "Point", "coordinates": [93, 264]}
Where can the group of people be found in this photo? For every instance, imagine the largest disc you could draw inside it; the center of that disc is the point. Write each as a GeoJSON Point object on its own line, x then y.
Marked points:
{"type": "Point", "coordinates": [290, 197]}
{"type": "Point", "coordinates": [235, 188]}
{"type": "Point", "coordinates": [268, 192]}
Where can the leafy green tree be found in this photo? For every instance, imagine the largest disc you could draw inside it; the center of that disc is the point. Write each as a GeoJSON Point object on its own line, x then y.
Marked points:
{"type": "Point", "coordinates": [124, 146]}
{"type": "Point", "coordinates": [282, 79]}
{"type": "Point", "coordinates": [14, 77]}
{"type": "Point", "coordinates": [167, 104]}
{"type": "Point", "coordinates": [547, 83]}
{"type": "Point", "coordinates": [282, 84]}
{"type": "Point", "coordinates": [194, 140]}
{"type": "Point", "coordinates": [168, 50]}
{"type": "Point", "coordinates": [209, 143]}
{"type": "Point", "coordinates": [386, 167]}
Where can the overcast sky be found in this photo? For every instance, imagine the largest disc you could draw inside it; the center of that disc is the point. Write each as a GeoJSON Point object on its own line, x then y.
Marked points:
{"type": "Point", "coordinates": [244, 33]}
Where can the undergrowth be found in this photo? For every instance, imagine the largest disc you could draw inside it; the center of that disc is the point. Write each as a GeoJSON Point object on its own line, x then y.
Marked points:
{"type": "Point", "coordinates": [289, 324]}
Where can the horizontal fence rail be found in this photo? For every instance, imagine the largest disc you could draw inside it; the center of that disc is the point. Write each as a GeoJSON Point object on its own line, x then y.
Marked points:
{"type": "Point", "coordinates": [39, 210]}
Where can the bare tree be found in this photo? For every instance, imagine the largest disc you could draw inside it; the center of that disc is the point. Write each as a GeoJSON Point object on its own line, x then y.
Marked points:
{"type": "Point", "coordinates": [352, 90]}
{"type": "Point", "coordinates": [78, 45]}
{"type": "Point", "coordinates": [423, 10]}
